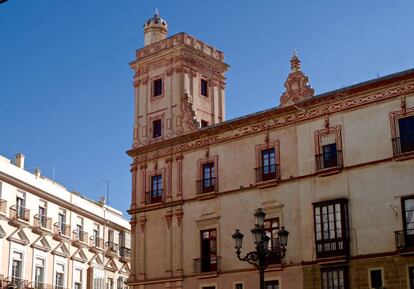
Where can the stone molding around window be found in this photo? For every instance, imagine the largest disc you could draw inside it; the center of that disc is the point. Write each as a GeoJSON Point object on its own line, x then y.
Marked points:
{"type": "Point", "coordinates": [200, 163]}
{"type": "Point", "coordinates": [394, 117]}
{"type": "Point", "coordinates": [329, 130]}
{"type": "Point", "coordinates": [162, 77]}
{"type": "Point", "coordinates": [258, 150]}
{"type": "Point", "coordinates": [153, 118]}
{"type": "Point", "coordinates": [150, 174]}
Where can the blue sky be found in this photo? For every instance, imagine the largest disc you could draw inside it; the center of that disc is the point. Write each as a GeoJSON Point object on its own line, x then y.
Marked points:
{"type": "Point", "coordinates": [66, 87]}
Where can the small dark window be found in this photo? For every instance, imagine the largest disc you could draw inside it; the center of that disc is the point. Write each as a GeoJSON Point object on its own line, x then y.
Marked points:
{"type": "Point", "coordinates": [376, 278]}
{"type": "Point", "coordinates": [238, 286]}
{"type": "Point", "coordinates": [204, 123]}
{"type": "Point", "coordinates": [203, 87]}
{"type": "Point", "coordinates": [329, 156]}
{"type": "Point", "coordinates": [156, 128]}
{"type": "Point", "coordinates": [411, 273]}
{"type": "Point", "coordinates": [157, 89]}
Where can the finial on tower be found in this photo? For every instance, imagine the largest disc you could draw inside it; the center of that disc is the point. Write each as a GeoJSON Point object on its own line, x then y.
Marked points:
{"type": "Point", "coordinates": [297, 84]}
{"type": "Point", "coordinates": [295, 61]}
{"type": "Point", "coordinates": [157, 13]}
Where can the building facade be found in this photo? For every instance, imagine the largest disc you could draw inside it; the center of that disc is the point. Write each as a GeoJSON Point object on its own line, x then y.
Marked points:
{"type": "Point", "coordinates": [53, 238]}
{"type": "Point", "coordinates": [335, 169]}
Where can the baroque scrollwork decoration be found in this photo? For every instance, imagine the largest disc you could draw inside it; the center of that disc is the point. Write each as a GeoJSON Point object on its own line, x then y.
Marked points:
{"type": "Point", "coordinates": [297, 84]}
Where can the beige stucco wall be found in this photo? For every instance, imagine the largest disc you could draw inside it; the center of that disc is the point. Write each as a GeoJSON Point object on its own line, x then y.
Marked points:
{"type": "Point", "coordinates": [371, 180]}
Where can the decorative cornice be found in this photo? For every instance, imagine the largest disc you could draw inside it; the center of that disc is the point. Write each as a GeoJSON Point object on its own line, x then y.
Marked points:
{"type": "Point", "coordinates": [180, 39]}
{"type": "Point", "coordinates": [183, 58]}
{"type": "Point", "coordinates": [326, 104]}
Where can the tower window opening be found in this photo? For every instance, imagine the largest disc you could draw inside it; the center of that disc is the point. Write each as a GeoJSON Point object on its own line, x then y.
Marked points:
{"type": "Point", "coordinates": [157, 87]}
{"type": "Point", "coordinates": [156, 128]}
{"type": "Point", "coordinates": [203, 85]}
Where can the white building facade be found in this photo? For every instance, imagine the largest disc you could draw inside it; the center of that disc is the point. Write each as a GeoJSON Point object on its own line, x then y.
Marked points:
{"type": "Point", "coordinates": [53, 238]}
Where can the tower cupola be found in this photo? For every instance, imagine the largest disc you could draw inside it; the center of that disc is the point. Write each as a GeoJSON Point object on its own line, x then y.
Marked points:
{"type": "Point", "coordinates": [155, 29]}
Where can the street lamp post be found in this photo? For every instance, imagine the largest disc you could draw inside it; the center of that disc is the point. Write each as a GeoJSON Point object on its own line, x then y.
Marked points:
{"type": "Point", "coordinates": [259, 258]}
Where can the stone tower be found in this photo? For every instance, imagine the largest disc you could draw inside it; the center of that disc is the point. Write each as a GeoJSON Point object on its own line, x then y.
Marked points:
{"type": "Point", "coordinates": [179, 84]}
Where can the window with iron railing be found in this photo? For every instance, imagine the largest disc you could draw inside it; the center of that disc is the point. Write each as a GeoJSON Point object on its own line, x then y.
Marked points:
{"type": "Point", "coordinates": [155, 195]}
{"type": "Point", "coordinates": [331, 228]}
{"type": "Point", "coordinates": [208, 258]}
{"type": "Point", "coordinates": [207, 183]}
{"type": "Point", "coordinates": [330, 157]}
{"type": "Point", "coordinates": [268, 167]}
{"type": "Point", "coordinates": [19, 212]}
{"type": "Point", "coordinates": [271, 228]}
{"type": "Point", "coordinates": [404, 143]}
{"type": "Point", "coordinates": [404, 239]}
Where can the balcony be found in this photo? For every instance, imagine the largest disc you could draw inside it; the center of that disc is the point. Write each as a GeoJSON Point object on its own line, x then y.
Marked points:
{"type": "Point", "coordinates": [3, 206]}
{"type": "Point", "coordinates": [79, 238]}
{"type": "Point", "coordinates": [61, 231]}
{"type": "Point", "coordinates": [404, 240]}
{"type": "Point", "coordinates": [16, 282]}
{"type": "Point", "coordinates": [332, 248]}
{"type": "Point", "coordinates": [42, 224]}
{"type": "Point", "coordinates": [329, 163]}
{"type": "Point", "coordinates": [154, 197]}
{"type": "Point", "coordinates": [403, 147]}
{"type": "Point", "coordinates": [96, 244]}
{"type": "Point", "coordinates": [206, 186]}
{"type": "Point", "coordinates": [125, 254]}
{"type": "Point", "coordinates": [111, 249]}
{"type": "Point", "coordinates": [207, 265]}
{"type": "Point", "coordinates": [19, 215]}
{"type": "Point", "coordinates": [267, 175]}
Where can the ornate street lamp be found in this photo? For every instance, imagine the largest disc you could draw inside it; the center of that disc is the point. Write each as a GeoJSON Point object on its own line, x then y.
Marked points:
{"type": "Point", "coordinates": [259, 258]}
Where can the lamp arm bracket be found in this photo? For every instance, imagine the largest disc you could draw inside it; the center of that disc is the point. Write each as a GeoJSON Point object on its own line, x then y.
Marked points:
{"type": "Point", "coordinates": [251, 258]}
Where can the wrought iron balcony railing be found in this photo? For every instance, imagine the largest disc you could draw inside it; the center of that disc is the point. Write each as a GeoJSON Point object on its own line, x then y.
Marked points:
{"type": "Point", "coordinates": [80, 235]}
{"type": "Point", "coordinates": [404, 239]}
{"type": "Point", "coordinates": [42, 221]}
{"type": "Point", "coordinates": [125, 253]}
{"type": "Point", "coordinates": [19, 212]}
{"type": "Point", "coordinates": [154, 196]}
{"type": "Point", "coordinates": [3, 206]}
{"type": "Point", "coordinates": [401, 145]}
{"type": "Point", "coordinates": [112, 247]}
{"type": "Point", "coordinates": [329, 160]}
{"type": "Point", "coordinates": [206, 185]}
{"type": "Point", "coordinates": [61, 229]}
{"type": "Point", "coordinates": [96, 242]}
{"type": "Point", "coordinates": [267, 173]}
{"type": "Point", "coordinates": [16, 282]}
{"type": "Point", "coordinates": [207, 264]}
